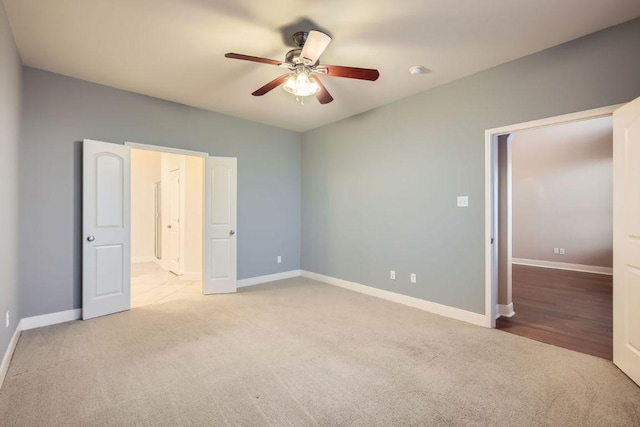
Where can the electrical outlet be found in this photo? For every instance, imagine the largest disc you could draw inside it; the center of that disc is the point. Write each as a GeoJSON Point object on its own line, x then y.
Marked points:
{"type": "Point", "coordinates": [561, 251]}
{"type": "Point", "coordinates": [279, 259]}
{"type": "Point", "coordinates": [463, 201]}
{"type": "Point", "coordinates": [8, 319]}
{"type": "Point", "coordinates": [413, 278]}
{"type": "Point", "coordinates": [392, 275]}
{"type": "Point", "coordinates": [556, 250]}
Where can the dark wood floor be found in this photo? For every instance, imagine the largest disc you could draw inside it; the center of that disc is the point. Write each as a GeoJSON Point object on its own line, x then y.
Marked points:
{"type": "Point", "coordinates": [565, 308]}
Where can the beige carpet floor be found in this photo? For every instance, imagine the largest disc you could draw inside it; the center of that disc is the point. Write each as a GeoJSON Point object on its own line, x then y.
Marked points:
{"type": "Point", "coordinates": [298, 352]}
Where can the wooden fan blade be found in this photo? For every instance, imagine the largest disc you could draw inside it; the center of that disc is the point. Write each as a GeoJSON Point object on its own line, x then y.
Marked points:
{"type": "Point", "coordinates": [351, 72]}
{"type": "Point", "coordinates": [323, 94]}
{"type": "Point", "coordinates": [271, 85]}
{"type": "Point", "coordinates": [252, 58]}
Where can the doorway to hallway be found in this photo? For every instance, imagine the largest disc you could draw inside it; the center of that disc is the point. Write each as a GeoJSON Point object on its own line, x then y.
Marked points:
{"type": "Point", "coordinates": [166, 224]}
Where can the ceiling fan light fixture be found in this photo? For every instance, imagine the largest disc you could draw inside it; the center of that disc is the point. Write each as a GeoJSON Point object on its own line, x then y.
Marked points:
{"type": "Point", "coordinates": [301, 84]}
{"type": "Point", "coordinates": [315, 43]}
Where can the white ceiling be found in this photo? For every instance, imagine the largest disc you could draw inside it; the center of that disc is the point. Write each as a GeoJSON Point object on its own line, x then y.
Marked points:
{"type": "Point", "coordinates": [174, 49]}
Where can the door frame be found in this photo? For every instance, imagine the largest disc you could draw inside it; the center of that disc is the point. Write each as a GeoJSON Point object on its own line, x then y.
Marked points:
{"type": "Point", "coordinates": [181, 152]}
{"type": "Point", "coordinates": [491, 194]}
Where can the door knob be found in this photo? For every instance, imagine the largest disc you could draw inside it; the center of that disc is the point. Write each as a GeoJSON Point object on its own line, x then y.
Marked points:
{"type": "Point", "coordinates": [168, 226]}
{"type": "Point", "coordinates": [91, 239]}
{"type": "Point", "coordinates": [231, 232]}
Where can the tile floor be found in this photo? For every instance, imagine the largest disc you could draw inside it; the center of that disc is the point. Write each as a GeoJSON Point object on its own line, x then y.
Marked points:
{"type": "Point", "coordinates": [151, 284]}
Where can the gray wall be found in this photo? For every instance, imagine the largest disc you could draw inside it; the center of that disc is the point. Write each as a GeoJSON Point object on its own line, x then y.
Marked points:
{"type": "Point", "coordinates": [562, 193]}
{"type": "Point", "coordinates": [59, 112]}
{"type": "Point", "coordinates": [10, 98]}
{"type": "Point", "coordinates": [379, 189]}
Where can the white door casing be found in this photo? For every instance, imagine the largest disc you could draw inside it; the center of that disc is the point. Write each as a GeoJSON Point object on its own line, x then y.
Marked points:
{"type": "Point", "coordinates": [491, 135]}
{"type": "Point", "coordinates": [174, 225]}
{"type": "Point", "coordinates": [626, 239]}
{"type": "Point", "coordinates": [219, 243]}
{"type": "Point", "coordinates": [106, 228]}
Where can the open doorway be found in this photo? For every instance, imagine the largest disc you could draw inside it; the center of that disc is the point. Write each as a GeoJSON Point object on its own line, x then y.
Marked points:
{"type": "Point", "coordinates": [106, 225]}
{"type": "Point", "coordinates": [166, 226]}
{"type": "Point", "coordinates": [555, 234]}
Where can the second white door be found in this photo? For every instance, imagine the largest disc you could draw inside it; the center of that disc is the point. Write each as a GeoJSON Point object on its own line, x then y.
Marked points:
{"type": "Point", "coordinates": [174, 222]}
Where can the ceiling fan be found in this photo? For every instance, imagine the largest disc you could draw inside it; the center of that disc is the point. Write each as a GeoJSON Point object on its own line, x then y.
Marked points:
{"type": "Point", "coordinates": [303, 65]}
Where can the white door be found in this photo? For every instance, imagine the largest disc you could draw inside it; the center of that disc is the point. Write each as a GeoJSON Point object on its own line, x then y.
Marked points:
{"type": "Point", "coordinates": [174, 222]}
{"type": "Point", "coordinates": [626, 239]}
{"type": "Point", "coordinates": [158, 219]}
{"type": "Point", "coordinates": [219, 266]}
{"type": "Point", "coordinates": [106, 254]}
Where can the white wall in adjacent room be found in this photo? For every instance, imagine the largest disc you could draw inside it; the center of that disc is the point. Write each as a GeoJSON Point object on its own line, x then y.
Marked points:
{"type": "Point", "coordinates": [194, 167]}
{"type": "Point", "coordinates": [145, 172]}
{"type": "Point", "coordinates": [562, 193]}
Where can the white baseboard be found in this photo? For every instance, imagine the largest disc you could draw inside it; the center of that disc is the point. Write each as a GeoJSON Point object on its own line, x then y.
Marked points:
{"type": "Point", "coordinates": [50, 319]}
{"type": "Point", "coordinates": [268, 278]}
{"type": "Point", "coordinates": [139, 259]}
{"type": "Point", "coordinates": [31, 323]}
{"type": "Point", "coordinates": [6, 359]}
{"type": "Point", "coordinates": [564, 266]}
{"type": "Point", "coordinates": [191, 275]}
{"type": "Point", "coordinates": [505, 310]}
{"type": "Point", "coordinates": [432, 307]}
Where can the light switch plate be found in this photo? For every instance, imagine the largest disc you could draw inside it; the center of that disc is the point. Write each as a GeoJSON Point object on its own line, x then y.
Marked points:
{"type": "Point", "coordinates": [463, 201]}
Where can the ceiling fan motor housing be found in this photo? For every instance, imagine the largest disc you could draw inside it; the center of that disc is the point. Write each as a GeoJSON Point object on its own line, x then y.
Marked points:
{"type": "Point", "coordinates": [300, 38]}
{"type": "Point", "coordinates": [293, 56]}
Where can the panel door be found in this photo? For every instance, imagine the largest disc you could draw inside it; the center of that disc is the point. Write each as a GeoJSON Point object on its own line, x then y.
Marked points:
{"type": "Point", "coordinates": [220, 257]}
{"type": "Point", "coordinates": [158, 219]}
{"type": "Point", "coordinates": [174, 222]}
{"type": "Point", "coordinates": [106, 229]}
{"type": "Point", "coordinates": [626, 239]}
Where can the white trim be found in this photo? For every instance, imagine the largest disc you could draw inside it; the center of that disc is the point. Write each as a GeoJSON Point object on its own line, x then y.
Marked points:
{"type": "Point", "coordinates": [505, 310]}
{"type": "Point", "coordinates": [50, 319]}
{"type": "Point", "coordinates": [141, 259]}
{"type": "Point", "coordinates": [564, 266]}
{"type": "Point", "coordinates": [556, 120]}
{"type": "Point", "coordinates": [268, 278]}
{"type": "Point", "coordinates": [6, 359]}
{"type": "Point", "coordinates": [166, 149]}
{"type": "Point", "coordinates": [191, 275]}
{"type": "Point", "coordinates": [432, 307]}
{"type": "Point", "coordinates": [490, 136]}
{"type": "Point", "coordinates": [495, 226]}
